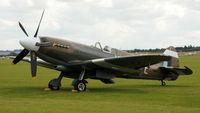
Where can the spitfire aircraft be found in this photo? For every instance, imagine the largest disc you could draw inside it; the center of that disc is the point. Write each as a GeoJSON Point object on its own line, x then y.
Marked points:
{"type": "Point", "coordinates": [81, 62]}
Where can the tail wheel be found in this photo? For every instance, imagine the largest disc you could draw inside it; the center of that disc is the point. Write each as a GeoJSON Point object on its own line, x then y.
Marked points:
{"type": "Point", "coordinates": [163, 83]}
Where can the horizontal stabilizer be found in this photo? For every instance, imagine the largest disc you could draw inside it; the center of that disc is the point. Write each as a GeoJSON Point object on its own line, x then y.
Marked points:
{"type": "Point", "coordinates": [179, 71]}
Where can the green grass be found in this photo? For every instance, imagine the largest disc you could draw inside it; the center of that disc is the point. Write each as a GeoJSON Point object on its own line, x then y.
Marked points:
{"type": "Point", "coordinates": [20, 94]}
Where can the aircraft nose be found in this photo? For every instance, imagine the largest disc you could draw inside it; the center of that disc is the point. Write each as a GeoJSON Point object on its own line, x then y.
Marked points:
{"type": "Point", "coordinates": [30, 43]}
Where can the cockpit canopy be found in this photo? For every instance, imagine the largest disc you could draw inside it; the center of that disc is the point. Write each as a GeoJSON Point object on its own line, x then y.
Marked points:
{"type": "Point", "coordinates": [110, 50]}
{"type": "Point", "coordinates": [107, 48]}
{"type": "Point", "coordinates": [104, 49]}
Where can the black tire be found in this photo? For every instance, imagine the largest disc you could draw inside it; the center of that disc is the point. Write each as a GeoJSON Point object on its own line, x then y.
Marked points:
{"type": "Point", "coordinates": [54, 87]}
{"type": "Point", "coordinates": [54, 84]}
{"type": "Point", "coordinates": [80, 85]}
{"type": "Point", "coordinates": [164, 84]}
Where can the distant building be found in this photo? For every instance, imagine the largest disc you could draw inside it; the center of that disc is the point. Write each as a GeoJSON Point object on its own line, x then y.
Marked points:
{"type": "Point", "coordinates": [191, 53]}
{"type": "Point", "coordinates": [7, 52]}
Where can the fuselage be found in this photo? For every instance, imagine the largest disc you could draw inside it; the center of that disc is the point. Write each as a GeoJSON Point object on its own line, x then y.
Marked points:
{"type": "Point", "coordinates": [67, 51]}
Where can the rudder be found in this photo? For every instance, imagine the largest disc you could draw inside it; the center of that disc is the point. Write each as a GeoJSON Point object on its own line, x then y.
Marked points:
{"type": "Point", "coordinates": [174, 62]}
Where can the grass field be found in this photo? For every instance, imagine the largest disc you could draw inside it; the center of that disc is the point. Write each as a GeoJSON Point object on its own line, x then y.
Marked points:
{"type": "Point", "coordinates": [20, 94]}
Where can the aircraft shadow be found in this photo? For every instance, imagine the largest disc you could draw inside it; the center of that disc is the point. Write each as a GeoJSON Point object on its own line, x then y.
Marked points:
{"type": "Point", "coordinates": [113, 89]}
{"type": "Point", "coordinates": [154, 86]}
{"type": "Point", "coordinates": [132, 88]}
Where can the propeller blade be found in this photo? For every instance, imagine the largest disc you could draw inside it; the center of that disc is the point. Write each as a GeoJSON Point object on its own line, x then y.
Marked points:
{"type": "Point", "coordinates": [33, 64]}
{"type": "Point", "coordinates": [39, 24]}
{"type": "Point", "coordinates": [20, 56]}
{"type": "Point", "coordinates": [23, 29]}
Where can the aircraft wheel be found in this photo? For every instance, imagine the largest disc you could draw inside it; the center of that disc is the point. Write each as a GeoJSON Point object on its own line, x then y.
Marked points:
{"type": "Point", "coordinates": [163, 83]}
{"type": "Point", "coordinates": [54, 84]}
{"type": "Point", "coordinates": [80, 85]}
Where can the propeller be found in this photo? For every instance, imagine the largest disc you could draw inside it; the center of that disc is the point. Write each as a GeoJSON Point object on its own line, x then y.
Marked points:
{"type": "Point", "coordinates": [25, 51]}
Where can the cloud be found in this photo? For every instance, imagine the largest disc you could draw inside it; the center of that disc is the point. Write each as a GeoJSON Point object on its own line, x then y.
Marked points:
{"type": "Point", "coordinates": [125, 24]}
{"type": "Point", "coordinates": [5, 3]}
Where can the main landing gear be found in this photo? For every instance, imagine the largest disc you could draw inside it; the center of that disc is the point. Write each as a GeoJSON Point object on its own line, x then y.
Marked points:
{"type": "Point", "coordinates": [163, 83]}
{"type": "Point", "coordinates": [79, 84]}
{"type": "Point", "coordinates": [55, 84]}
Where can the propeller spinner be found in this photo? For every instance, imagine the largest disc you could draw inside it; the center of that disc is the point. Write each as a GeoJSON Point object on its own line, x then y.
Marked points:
{"type": "Point", "coordinates": [29, 46]}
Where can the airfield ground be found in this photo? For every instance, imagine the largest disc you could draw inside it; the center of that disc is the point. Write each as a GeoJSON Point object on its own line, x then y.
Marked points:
{"type": "Point", "coordinates": [20, 94]}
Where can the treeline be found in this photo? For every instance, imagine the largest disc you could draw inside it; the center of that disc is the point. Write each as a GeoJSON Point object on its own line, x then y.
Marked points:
{"type": "Point", "coordinates": [189, 48]}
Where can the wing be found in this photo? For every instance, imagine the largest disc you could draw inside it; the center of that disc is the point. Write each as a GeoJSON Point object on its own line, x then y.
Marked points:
{"type": "Point", "coordinates": [127, 64]}
{"type": "Point", "coordinates": [124, 64]}
{"type": "Point", "coordinates": [41, 62]}
{"type": "Point", "coordinates": [45, 64]}
{"type": "Point", "coordinates": [178, 71]}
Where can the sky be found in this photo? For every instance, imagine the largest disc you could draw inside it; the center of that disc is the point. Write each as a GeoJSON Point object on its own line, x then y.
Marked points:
{"type": "Point", "coordinates": [122, 24]}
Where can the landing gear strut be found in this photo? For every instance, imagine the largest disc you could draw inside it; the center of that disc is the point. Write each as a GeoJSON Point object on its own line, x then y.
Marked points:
{"type": "Point", "coordinates": [55, 84]}
{"type": "Point", "coordinates": [163, 83]}
{"type": "Point", "coordinates": [80, 84]}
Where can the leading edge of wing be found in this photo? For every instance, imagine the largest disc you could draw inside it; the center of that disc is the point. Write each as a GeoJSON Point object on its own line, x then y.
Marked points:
{"type": "Point", "coordinates": [41, 62]}
{"type": "Point", "coordinates": [104, 64]}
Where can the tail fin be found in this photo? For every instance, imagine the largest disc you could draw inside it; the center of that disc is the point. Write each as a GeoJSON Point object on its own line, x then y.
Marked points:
{"type": "Point", "coordinates": [174, 62]}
